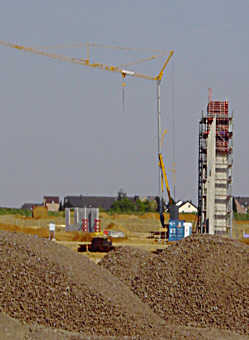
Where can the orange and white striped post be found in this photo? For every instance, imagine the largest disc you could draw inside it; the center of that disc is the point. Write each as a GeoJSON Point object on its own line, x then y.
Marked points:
{"type": "Point", "coordinates": [84, 221]}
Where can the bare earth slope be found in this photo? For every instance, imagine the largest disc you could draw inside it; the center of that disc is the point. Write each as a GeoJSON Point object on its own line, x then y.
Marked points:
{"type": "Point", "coordinates": [50, 292]}
{"type": "Point", "coordinates": [201, 281]}
{"type": "Point", "coordinates": [11, 329]}
{"type": "Point", "coordinates": [45, 283]}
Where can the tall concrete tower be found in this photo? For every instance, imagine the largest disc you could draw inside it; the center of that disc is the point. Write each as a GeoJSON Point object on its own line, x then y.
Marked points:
{"type": "Point", "coordinates": [215, 169]}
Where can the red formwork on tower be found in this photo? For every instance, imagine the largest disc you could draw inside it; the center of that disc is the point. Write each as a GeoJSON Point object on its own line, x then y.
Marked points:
{"type": "Point", "coordinates": [219, 110]}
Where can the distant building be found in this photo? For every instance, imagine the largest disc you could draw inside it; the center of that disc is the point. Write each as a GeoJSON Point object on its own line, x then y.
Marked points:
{"type": "Point", "coordinates": [187, 207]}
{"type": "Point", "coordinates": [179, 203]}
{"type": "Point", "coordinates": [52, 203]}
{"type": "Point", "coordinates": [147, 198]}
{"type": "Point", "coordinates": [241, 204]}
{"type": "Point", "coordinates": [102, 202]}
{"type": "Point", "coordinates": [29, 206]}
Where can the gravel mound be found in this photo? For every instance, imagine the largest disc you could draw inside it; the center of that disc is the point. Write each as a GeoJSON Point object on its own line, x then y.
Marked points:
{"type": "Point", "coordinates": [45, 283]}
{"type": "Point", "coordinates": [201, 281]}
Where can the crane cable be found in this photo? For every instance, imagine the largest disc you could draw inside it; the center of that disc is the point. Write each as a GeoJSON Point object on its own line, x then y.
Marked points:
{"type": "Point", "coordinates": [88, 44]}
{"type": "Point", "coordinates": [139, 61]}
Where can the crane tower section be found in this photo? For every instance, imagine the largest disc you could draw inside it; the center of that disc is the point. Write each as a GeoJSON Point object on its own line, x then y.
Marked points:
{"type": "Point", "coordinates": [215, 169]}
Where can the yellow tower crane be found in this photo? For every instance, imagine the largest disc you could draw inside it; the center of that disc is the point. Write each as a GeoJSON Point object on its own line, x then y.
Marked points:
{"type": "Point", "coordinates": [117, 69]}
{"type": "Point", "coordinates": [86, 62]}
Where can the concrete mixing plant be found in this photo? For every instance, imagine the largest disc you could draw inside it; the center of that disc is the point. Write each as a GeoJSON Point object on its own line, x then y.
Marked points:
{"type": "Point", "coordinates": [215, 169]}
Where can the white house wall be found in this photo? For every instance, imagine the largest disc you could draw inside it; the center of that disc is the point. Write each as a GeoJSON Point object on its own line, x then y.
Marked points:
{"type": "Point", "coordinates": [187, 208]}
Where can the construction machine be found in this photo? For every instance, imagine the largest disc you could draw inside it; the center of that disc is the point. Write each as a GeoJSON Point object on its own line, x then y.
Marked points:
{"type": "Point", "coordinates": [173, 209]}
{"type": "Point", "coordinates": [96, 242]}
{"type": "Point", "coordinates": [101, 244]}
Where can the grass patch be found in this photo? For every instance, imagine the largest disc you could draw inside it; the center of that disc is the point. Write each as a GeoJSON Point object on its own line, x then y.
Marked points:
{"type": "Point", "coordinates": [241, 217]}
{"type": "Point", "coordinates": [13, 211]}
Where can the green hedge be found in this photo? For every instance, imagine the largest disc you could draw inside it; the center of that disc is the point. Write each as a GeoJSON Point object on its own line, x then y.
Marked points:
{"type": "Point", "coordinates": [241, 217]}
{"type": "Point", "coordinates": [14, 211]}
{"type": "Point", "coordinates": [126, 206]}
{"type": "Point", "coordinates": [56, 213]}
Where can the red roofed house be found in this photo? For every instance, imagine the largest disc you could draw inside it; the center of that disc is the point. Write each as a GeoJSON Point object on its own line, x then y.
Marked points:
{"type": "Point", "coordinates": [52, 203]}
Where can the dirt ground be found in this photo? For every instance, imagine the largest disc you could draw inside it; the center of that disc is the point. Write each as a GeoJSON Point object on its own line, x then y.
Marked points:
{"type": "Point", "coordinates": [137, 230]}
{"type": "Point", "coordinates": [49, 289]}
{"type": "Point", "coordinates": [200, 281]}
{"type": "Point", "coordinates": [11, 329]}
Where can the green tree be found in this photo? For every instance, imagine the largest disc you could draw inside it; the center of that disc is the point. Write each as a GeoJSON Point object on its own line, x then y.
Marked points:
{"type": "Point", "coordinates": [123, 205]}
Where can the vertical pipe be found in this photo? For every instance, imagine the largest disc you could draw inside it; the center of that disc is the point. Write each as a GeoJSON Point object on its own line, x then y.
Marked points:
{"type": "Point", "coordinates": [158, 142]}
{"type": "Point", "coordinates": [97, 221]}
{"type": "Point", "coordinates": [231, 191]}
{"type": "Point", "coordinates": [84, 220]}
{"type": "Point", "coordinates": [76, 216]}
{"type": "Point", "coordinates": [67, 217]}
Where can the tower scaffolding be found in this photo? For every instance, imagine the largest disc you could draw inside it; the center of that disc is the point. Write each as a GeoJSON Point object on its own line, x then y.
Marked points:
{"type": "Point", "coordinates": [215, 180]}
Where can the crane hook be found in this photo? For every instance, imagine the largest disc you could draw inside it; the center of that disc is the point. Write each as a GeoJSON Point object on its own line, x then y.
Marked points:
{"type": "Point", "coordinates": [123, 90]}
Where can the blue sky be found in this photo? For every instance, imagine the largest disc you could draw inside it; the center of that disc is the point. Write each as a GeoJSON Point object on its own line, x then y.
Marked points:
{"type": "Point", "coordinates": [63, 128]}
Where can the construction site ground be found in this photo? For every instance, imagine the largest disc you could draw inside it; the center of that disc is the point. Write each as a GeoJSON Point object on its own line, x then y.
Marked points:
{"type": "Point", "coordinates": [50, 290]}
{"type": "Point", "coordinates": [136, 228]}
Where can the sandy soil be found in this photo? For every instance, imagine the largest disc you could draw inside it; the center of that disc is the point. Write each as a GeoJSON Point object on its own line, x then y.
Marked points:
{"type": "Point", "coordinates": [137, 236]}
